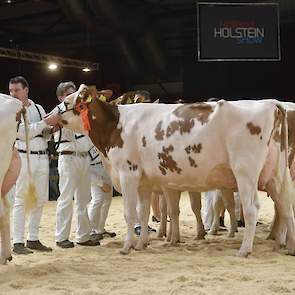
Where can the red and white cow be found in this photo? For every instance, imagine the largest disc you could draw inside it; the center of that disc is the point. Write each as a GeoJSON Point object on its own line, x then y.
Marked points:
{"type": "Point", "coordinates": [9, 166]}
{"type": "Point", "coordinates": [198, 147]}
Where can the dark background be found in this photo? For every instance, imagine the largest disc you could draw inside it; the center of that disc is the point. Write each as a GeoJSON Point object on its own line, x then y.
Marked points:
{"type": "Point", "coordinates": [140, 44]}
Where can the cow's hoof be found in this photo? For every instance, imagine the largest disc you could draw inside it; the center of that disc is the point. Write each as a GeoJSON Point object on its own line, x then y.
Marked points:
{"type": "Point", "coordinates": [141, 246]}
{"type": "Point", "coordinates": [231, 235]}
{"type": "Point", "coordinates": [291, 250]}
{"type": "Point", "coordinates": [199, 237]}
{"type": "Point", "coordinates": [161, 234]}
{"type": "Point", "coordinates": [9, 258]}
{"type": "Point", "coordinates": [124, 251]}
{"type": "Point", "coordinates": [270, 237]}
{"type": "Point", "coordinates": [277, 247]}
{"type": "Point", "coordinates": [242, 253]}
{"type": "Point", "coordinates": [213, 232]}
{"type": "Point", "coordinates": [174, 243]}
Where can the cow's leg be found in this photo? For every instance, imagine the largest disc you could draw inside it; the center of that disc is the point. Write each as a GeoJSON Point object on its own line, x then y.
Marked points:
{"type": "Point", "coordinates": [217, 206]}
{"type": "Point", "coordinates": [196, 205]}
{"type": "Point", "coordinates": [129, 187]}
{"type": "Point", "coordinates": [173, 198]}
{"type": "Point", "coordinates": [163, 222]}
{"type": "Point", "coordinates": [286, 219]}
{"type": "Point", "coordinates": [5, 233]}
{"type": "Point", "coordinates": [278, 231]}
{"type": "Point", "coordinates": [229, 204]}
{"type": "Point", "coordinates": [279, 226]}
{"type": "Point", "coordinates": [144, 214]}
{"type": "Point", "coordinates": [249, 199]}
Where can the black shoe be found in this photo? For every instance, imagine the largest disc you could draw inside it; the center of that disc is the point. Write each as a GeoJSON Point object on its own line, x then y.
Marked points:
{"type": "Point", "coordinates": [38, 246]}
{"type": "Point", "coordinates": [110, 234]}
{"type": "Point", "coordinates": [19, 248]}
{"type": "Point", "coordinates": [241, 223]}
{"type": "Point", "coordinates": [137, 230]}
{"type": "Point", "coordinates": [65, 244]}
{"type": "Point", "coordinates": [221, 221]}
{"type": "Point", "coordinates": [151, 229]}
{"type": "Point", "coordinates": [96, 237]}
{"type": "Point", "coordinates": [155, 219]}
{"type": "Point", "coordinates": [90, 243]}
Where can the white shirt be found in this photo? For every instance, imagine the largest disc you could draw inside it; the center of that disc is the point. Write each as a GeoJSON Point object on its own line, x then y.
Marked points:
{"type": "Point", "coordinates": [35, 127]}
{"type": "Point", "coordinates": [71, 141]}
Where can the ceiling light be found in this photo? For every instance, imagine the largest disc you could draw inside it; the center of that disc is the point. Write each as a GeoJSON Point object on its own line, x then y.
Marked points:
{"type": "Point", "coordinates": [8, 1]}
{"type": "Point", "coordinates": [52, 66]}
{"type": "Point", "coordinates": [86, 69]}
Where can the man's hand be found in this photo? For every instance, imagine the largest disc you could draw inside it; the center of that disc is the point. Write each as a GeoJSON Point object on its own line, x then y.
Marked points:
{"type": "Point", "coordinates": [52, 119]}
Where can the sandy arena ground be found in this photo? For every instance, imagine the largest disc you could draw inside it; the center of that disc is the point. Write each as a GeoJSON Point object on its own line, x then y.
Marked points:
{"type": "Point", "coordinates": [194, 267]}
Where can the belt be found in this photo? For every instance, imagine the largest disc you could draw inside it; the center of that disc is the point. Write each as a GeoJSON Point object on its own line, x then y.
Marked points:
{"type": "Point", "coordinates": [78, 154]}
{"type": "Point", "coordinates": [34, 152]}
{"type": "Point", "coordinates": [94, 164]}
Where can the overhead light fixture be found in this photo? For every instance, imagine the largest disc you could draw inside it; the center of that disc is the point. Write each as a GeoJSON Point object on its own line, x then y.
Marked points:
{"type": "Point", "coordinates": [8, 1]}
{"type": "Point", "coordinates": [86, 70]}
{"type": "Point", "coordinates": [52, 66]}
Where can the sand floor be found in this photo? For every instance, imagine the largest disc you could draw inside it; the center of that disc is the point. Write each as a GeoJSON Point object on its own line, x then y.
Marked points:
{"type": "Point", "coordinates": [194, 267]}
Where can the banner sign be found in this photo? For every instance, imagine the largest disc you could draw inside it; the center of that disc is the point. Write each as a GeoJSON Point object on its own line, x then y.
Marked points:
{"type": "Point", "coordinates": [238, 31]}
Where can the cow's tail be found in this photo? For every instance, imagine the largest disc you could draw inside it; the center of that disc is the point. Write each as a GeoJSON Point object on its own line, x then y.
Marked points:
{"type": "Point", "coordinates": [287, 189]}
{"type": "Point", "coordinates": [30, 195]}
{"type": "Point", "coordinates": [284, 133]}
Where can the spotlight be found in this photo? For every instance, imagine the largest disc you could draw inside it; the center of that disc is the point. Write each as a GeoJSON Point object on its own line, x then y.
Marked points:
{"type": "Point", "coordinates": [52, 66]}
{"type": "Point", "coordinates": [86, 70]}
{"type": "Point", "coordinates": [8, 1]}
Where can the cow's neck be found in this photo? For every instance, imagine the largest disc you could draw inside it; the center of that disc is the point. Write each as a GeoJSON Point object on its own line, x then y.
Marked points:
{"type": "Point", "coordinates": [104, 119]}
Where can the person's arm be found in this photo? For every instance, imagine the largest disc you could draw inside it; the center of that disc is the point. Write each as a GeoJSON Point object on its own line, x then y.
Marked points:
{"type": "Point", "coordinates": [37, 127]}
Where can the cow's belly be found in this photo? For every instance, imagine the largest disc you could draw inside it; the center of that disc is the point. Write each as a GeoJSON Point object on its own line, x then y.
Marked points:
{"type": "Point", "coordinates": [207, 175]}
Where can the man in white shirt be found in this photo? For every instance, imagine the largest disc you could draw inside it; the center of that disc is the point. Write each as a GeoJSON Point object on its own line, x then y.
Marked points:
{"type": "Point", "coordinates": [74, 181]}
{"type": "Point", "coordinates": [19, 88]}
{"type": "Point", "coordinates": [101, 196]}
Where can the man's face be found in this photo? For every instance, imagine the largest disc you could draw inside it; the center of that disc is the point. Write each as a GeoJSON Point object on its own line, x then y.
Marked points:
{"type": "Point", "coordinates": [18, 91]}
{"type": "Point", "coordinates": [66, 93]}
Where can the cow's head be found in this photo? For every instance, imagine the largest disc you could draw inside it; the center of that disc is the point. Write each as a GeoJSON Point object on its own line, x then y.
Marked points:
{"type": "Point", "coordinates": [74, 109]}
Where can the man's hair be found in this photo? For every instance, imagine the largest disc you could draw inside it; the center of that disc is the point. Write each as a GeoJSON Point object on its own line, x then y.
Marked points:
{"type": "Point", "coordinates": [19, 79]}
{"type": "Point", "coordinates": [63, 87]}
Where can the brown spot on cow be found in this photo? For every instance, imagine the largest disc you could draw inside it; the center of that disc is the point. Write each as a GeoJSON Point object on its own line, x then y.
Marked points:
{"type": "Point", "coordinates": [166, 160]}
{"type": "Point", "coordinates": [184, 126]}
{"type": "Point", "coordinates": [192, 162]}
{"type": "Point", "coordinates": [162, 170]}
{"type": "Point", "coordinates": [105, 131]}
{"type": "Point", "coordinates": [254, 130]}
{"type": "Point", "coordinates": [159, 132]}
{"type": "Point", "coordinates": [195, 149]}
{"type": "Point", "coordinates": [143, 141]}
{"type": "Point", "coordinates": [200, 111]}
{"type": "Point", "coordinates": [278, 132]}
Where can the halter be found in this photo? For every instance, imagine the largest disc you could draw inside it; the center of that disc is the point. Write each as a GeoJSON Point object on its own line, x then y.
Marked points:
{"type": "Point", "coordinates": [81, 108]}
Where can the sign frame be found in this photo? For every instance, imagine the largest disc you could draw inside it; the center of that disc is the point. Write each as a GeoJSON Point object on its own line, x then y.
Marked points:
{"type": "Point", "coordinates": [200, 59]}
